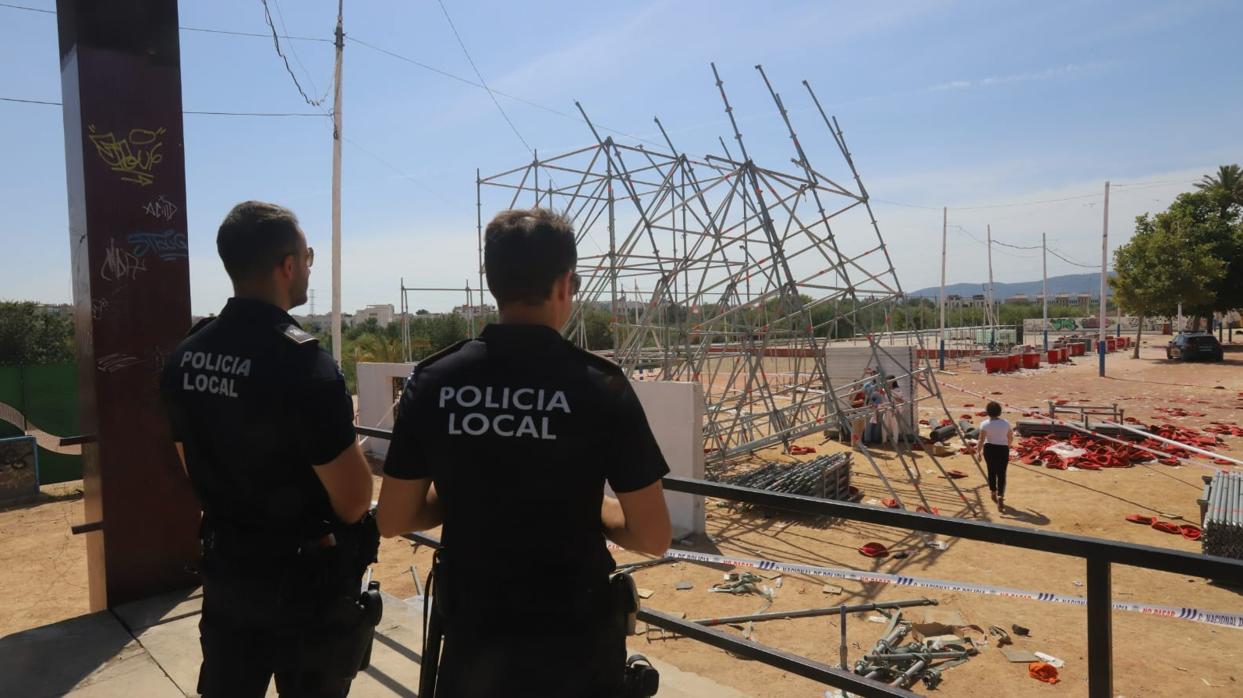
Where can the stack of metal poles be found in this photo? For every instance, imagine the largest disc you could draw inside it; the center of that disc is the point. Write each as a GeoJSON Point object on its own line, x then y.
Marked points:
{"type": "Point", "coordinates": [826, 477]}
{"type": "Point", "coordinates": [1223, 516]}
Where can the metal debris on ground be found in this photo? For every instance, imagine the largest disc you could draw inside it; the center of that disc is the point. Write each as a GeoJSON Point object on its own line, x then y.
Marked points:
{"type": "Point", "coordinates": [1003, 637]}
{"type": "Point", "coordinates": [743, 583]}
{"type": "Point", "coordinates": [902, 665]}
{"type": "Point", "coordinates": [827, 477]}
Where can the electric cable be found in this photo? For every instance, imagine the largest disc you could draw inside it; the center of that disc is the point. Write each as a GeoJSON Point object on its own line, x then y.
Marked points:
{"type": "Point", "coordinates": [483, 83]}
{"type": "Point", "coordinates": [197, 112]}
{"type": "Point", "coordinates": [188, 29]}
{"type": "Point", "coordinates": [267, 16]}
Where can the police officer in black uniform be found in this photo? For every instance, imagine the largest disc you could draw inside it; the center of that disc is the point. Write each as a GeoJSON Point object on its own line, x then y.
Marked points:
{"type": "Point", "coordinates": [509, 439]}
{"type": "Point", "coordinates": [264, 426]}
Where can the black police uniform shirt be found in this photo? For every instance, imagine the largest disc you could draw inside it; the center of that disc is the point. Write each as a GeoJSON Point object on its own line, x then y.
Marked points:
{"type": "Point", "coordinates": [256, 402]}
{"type": "Point", "coordinates": [520, 430]}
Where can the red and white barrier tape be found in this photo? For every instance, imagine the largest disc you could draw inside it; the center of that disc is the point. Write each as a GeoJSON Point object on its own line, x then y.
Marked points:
{"type": "Point", "coordinates": [1228, 620]}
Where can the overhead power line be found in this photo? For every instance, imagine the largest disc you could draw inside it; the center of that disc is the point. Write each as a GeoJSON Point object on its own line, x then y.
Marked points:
{"type": "Point", "coordinates": [276, 41]}
{"type": "Point", "coordinates": [204, 30]}
{"type": "Point", "coordinates": [472, 83]}
{"type": "Point", "coordinates": [1071, 261]}
{"type": "Point", "coordinates": [186, 111]}
{"type": "Point", "coordinates": [483, 82]}
{"type": "Point", "coordinates": [28, 9]}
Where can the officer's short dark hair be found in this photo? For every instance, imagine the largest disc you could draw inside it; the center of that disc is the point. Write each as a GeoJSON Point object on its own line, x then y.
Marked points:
{"type": "Point", "coordinates": [993, 409]}
{"type": "Point", "coordinates": [255, 238]}
{"type": "Point", "coordinates": [524, 251]}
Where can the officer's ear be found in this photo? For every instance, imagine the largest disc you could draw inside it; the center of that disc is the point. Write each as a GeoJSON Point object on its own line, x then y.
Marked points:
{"type": "Point", "coordinates": [563, 287]}
{"type": "Point", "coordinates": [288, 266]}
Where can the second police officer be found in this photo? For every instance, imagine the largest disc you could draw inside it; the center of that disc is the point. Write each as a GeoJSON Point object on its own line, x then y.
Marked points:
{"type": "Point", "coordinates": [509, 440]}
{"type": "Point", "coordinates": [264, 426]}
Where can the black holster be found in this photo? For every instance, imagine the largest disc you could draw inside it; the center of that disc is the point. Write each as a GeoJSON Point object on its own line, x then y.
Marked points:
{"type": "Point", "coordinates": [313, 586]}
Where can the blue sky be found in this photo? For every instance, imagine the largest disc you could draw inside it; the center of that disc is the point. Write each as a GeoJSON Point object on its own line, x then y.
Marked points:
{"type": "Point", "coordinates": [964, 104]}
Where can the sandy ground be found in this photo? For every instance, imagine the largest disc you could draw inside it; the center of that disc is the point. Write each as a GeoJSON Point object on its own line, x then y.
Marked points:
{"type": "Point", "coordinates": [1153, 656]}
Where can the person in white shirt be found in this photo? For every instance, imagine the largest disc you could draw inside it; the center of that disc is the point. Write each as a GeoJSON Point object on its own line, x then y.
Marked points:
{"type": "Point", "coordinates": [996, 435]}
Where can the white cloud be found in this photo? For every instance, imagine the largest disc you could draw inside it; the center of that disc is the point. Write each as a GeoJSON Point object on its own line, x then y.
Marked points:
{"type": "Point", "coordinates": [1048, 74]}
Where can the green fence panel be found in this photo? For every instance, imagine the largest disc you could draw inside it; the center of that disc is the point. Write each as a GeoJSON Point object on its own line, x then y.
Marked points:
{"type": "Point", "coordinates": [45, 397]}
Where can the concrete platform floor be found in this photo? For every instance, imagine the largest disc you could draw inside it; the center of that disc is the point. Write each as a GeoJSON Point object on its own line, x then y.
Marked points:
{"type": "Point", "coordinates": [150, 649]}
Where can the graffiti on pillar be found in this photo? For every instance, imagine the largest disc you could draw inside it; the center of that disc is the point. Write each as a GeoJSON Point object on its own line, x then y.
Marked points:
{"type": "Point", "coordinates": [120, 264]}
{"type": "Point", "coordinates": [168, 245]}
{"type": "Point", "coordinates": [98, 306]}
{"type": "Point", "coordinates": [115, 362]}
{"type": "Point", "coordinates": [134, 157]}
{"type": "Point", "coordinates": [160, 207]}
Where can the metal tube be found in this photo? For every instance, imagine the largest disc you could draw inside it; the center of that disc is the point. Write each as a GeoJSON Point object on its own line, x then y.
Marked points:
{"type": "Point", "coordinates": [842, 621]}
{"type": "Point", "coordinates": [800, 666]}
{"type": "Point", "coordinates": [813, 612]}
{"type": "Point", "coordinates": [1100, 630]}
{"type": "Point", "coordinates": [920, 655]}
{"type": "Point", "coordinates": [908, 677]}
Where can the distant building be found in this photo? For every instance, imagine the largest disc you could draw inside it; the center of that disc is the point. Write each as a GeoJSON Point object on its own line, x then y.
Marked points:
{"type": "Point", "coordinates": [62, 309]}
{"type": "Point", "coordinates": [1017, 298]}
{"type": "Point", "coordinates": [383, 314]}
{"type": "Point", "coordinates": [474, 310]}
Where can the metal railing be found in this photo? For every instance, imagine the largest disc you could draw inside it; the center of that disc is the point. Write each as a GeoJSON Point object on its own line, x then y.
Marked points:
{"type": "Point", "coordinates": [1099, 555]}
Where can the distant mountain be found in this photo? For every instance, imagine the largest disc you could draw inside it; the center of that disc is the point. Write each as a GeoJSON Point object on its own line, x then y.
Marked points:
{"type": "Point", "coordinates": [1069, 283]}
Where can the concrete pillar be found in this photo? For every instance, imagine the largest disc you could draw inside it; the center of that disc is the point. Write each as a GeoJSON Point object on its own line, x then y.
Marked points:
{"type": "Point", "coordinates": [121, 88]}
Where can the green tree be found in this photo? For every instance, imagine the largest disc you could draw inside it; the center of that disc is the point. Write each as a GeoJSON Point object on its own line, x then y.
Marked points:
{"type": "Point", "coordinates": [1197, 220]}
{"type": "Point", "coordinates": [29, 335]}
{"type": "Point", "coordinates": [1225, 187]}
{"type": "Point", "coordinates": [1159, 268]}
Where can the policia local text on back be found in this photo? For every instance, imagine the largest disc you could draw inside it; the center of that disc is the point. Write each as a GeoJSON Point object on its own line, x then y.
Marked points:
{"type": "Point", "coordinates": [508, 439]}
{"type": "Point", "coordinates": [264, 426]}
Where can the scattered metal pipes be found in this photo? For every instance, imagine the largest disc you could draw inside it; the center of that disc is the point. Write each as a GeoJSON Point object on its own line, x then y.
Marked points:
{"type": "Point", "coordinates": [813, 612]}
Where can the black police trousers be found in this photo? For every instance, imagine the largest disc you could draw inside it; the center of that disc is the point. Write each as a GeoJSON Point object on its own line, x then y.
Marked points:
{"type": "Point", "coordinates": [529, 660]}
{"type": "Point", "coordinates": [247, 638]}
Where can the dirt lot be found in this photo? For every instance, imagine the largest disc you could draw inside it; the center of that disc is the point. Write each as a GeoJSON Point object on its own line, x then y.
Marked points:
{"type": "Point", "coordinates": [1153, 656]}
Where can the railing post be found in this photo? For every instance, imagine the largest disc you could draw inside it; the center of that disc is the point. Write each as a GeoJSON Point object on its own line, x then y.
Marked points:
{"type": "Point", "coordinates": [1100, 630]}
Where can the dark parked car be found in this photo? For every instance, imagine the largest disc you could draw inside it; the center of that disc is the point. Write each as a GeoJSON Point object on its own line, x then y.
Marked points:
{"type": "Point", "coordinates": [1189, 347]}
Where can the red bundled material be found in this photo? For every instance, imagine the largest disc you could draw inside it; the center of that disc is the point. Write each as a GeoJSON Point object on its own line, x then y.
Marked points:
{"type": "Point", "coordinates": [1190, 531]}
{"type": "Point", "coordinates": [1224, 429]}
{"type": "Point", "coordinates": [1167, 527]}
{"type": "Point", "coordinates": [890, 502]}
{"type": "Point", "coordinates": [1098, 453]}
{"type": "Point", "coordinates": [1141, 519]}
{"type": "Point", "coordinates": [797, 450]}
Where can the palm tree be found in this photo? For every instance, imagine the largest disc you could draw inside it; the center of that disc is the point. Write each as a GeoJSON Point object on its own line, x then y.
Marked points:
{"type": "Point", "coordinates": [1227, 184]}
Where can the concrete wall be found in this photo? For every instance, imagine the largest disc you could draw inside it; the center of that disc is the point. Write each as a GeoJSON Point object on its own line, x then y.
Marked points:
{"type": "Point", "coordinates": [379, 388]}
{"type": "Point", "coordinates": [675, 411]}
{"type": "Point", "coordinates": [847, 365]}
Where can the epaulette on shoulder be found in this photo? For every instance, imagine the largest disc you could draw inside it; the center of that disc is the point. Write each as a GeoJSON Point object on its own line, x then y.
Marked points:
{"type": "Point", "coordinates": [600, 362]}
{"type": "Point", "coordinates": [201, 324]}
{"type": "Point", "coordinates": [297, 335]}
{"type": "Point", "coordinates": [429, 360]}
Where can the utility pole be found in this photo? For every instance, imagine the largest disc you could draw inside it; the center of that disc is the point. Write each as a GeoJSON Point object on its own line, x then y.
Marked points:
{"type": "Point", "coordinates": [336, 190]}
{"type": "Point", "coordinates": [1044, 299]}
{"type": "Point", "coordinates": [1100, 330]}
{"type": "Point", "coordinates": [944, 227]}
{"type": "Point", "coordinates": [992, 292]}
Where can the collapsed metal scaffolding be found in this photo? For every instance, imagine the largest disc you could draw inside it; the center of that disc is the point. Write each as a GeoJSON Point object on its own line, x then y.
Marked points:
{"type": "Point", "coordinates": [739, 276]}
